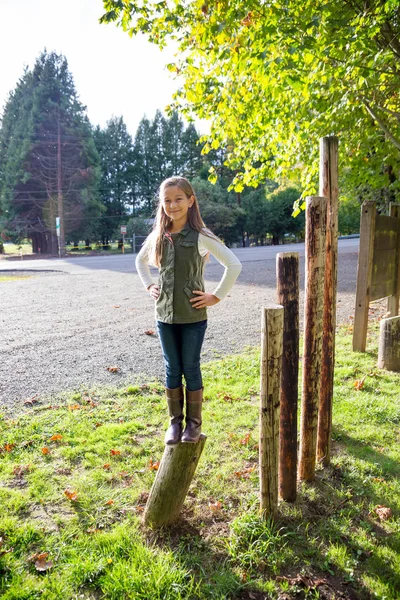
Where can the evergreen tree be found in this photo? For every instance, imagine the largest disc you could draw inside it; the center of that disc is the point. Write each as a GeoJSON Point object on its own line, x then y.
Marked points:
{"type": "Point", "coordinates": [162, 148]}
{"type": "Point", "coordinates": [144, 186]}
{"type": "Point", "coordinates": [50, 163]}
{"type": "Point", "coordinates": [191, 152]}
{"type": "Point", "coordinates": [115, 147]}
{"type": "Point", "coordinates": [173, 135]}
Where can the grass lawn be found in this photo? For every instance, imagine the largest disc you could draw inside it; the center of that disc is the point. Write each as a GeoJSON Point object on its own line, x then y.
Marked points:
{"type": "Point", "coordinates": [26, 248]}
{"type": "Point", "coordinates": [13, 277]}
{"type": "Point", "coordinates": [75, 474]}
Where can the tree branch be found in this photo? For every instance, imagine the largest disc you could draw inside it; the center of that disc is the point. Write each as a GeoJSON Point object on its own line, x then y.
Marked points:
{"type": "Point", "coordinates": [381, 124]}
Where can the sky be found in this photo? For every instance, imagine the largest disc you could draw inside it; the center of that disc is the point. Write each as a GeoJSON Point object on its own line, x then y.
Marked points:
{"type": "Point", "coordinates": [114, 75]}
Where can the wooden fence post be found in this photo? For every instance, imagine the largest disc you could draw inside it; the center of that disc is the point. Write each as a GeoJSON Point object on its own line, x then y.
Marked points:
{"type": "Point", "coordinates": [328, 187]}
{"type": "Point", "coordinates": [287, 276]}
{"type": "Point", "coordinates": [393, 301]}
{"type": "Point", "coordinates": [270, 380]}
{"type": "Point", "coordinates": [364, 273]}
{"type": "Point", "coordinates": [313, 321]}
{"type": "Point", "coordinates": [389, 344]}
{"type": "Point", "coordinates": [172, 482]}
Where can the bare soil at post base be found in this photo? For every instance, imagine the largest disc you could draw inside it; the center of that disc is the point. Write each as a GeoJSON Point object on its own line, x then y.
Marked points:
{"type": "Point", "coordinates": [61, 331]}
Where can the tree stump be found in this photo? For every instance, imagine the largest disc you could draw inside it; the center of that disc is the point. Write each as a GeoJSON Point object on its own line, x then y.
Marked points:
{"type": "Point", "coordinates": [389, 344]}
{"type": "Point", "coordinates": [174, 476]}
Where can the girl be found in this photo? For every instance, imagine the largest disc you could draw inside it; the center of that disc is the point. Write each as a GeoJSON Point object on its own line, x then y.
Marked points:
{"type": "Point", "coordinates": [179, 246]}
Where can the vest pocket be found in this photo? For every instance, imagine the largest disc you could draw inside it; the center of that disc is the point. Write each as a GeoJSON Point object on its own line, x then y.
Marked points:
{"type": "Point", "coordinates": [190, 286]}
{"type": "Point", "coordinates": [187, 244]}
{"type": "Point", "coordinates": [188, 291]}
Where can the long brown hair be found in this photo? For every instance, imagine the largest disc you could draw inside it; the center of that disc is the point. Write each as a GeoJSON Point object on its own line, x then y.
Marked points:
{"type": "Point", "coordinates": [162, 222]}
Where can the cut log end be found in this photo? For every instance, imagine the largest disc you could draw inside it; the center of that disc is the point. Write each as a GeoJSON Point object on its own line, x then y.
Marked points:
{"type": "Point", "coordinates": [173, 478]}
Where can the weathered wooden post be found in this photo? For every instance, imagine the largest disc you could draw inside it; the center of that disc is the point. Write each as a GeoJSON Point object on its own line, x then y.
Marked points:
{"type": "Point", "coordinates": [270, 376]}
{"type": "Point", "coordinates": [364, 275]}
{"type": "Point", "coordinates": [172, 482]}
{"type": "Point", "coordinates": [328, 187]}
{"type": "Point", "coordinates": [393, 300]}
{"type": "Point", "coordinates": [287, 275]}
{"type": "Point", "coordinates": [313, 321]}
{"type": "Point", "coordinates": [389, 344]}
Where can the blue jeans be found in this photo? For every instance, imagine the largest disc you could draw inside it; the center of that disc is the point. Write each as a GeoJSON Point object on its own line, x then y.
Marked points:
{"type": "Point", "coordinates": [181, 346]}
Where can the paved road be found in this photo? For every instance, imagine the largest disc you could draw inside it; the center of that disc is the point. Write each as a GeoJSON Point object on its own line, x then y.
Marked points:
{"type": "Point", "coordinates": [125, 263]}
{"type": "Point", "coordinates": [64, 325]}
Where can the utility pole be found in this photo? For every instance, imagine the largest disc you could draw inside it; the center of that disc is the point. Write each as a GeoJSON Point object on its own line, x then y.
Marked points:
{"type": "Point", "coordinates": [60, 203]}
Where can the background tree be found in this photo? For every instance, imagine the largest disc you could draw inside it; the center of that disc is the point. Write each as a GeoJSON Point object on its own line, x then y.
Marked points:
{"type": "Point", "coordinates": [349, 216]}
{"type": "Point", "coordinates": [279, 219]}
{"type": "Point", "coordinates": [162, 148]}
{"type": "Point", "coordinates": [219, 211]}
{"type": "Point", "coordinates": [50, 166]}
{"type": "Point", "coordinates": [273, 78]}
{"type": "Point", "coordinates": [115, 147]}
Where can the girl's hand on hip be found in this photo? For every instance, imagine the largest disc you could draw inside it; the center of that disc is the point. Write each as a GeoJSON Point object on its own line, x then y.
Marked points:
{"type": "Point", "coordinates": [202, 300]}
{"type": "Point", "coordinates": [154, 291]}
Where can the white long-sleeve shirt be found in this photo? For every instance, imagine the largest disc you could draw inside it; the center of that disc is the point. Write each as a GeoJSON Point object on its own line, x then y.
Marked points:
{"type": "Point", "coordinates": [205, 244]}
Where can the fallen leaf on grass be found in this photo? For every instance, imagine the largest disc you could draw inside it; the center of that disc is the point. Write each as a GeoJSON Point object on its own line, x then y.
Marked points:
{"type": "Point", "coordinates": [20, 470]}
{"type": "Point", "coordinates": [227, 398]}
{"type": "Point", "coordinates": [109, 502]}
{"type": "Point", "coordinates": [149, 332]}
{"type": "Point", "coordinates": [384, 512]}
{"type": "Point", "coordinates": [245, 473]}
{"type": "Point", "coordinates": [113, 369]}
{"type": "Point", "coordinates": [74, 407]}
{"type": "Point", "coordinates": [45, 450]}
{"type": "Point", "coordinates": [9, 447]}
{"type": "Point", "coordinates": [215, 506]}
{"type": "Point", "coordinates": [106, 467]}
{"type": "Point", "coordinates": [245, 441]}
{"type": "Point", "coordinates": [73, 496]}
{"type": "Point", "coordinates": [114, 452]}
{"type": "Point", "coordinates": [90, 401]}
{"type": "Point", "coordinates": [57, 437]}
{"type": "Point", "coordinates": [154, 465]}
{"type": "Point", "coordinates": [359, 384]}
{"type": "Point", "coordinates": [32, 400]}
{"type": "Point", "coordinates": [93, 530]}
{"type": "Point", "coordinates": [41, 564]}
{"type": "Point", "coordinates": [248, 20]}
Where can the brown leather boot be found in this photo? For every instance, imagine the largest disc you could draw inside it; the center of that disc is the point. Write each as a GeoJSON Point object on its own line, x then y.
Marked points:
{"type": "Point", "coordinates": [175, 409]}
{"type": "Point", "coordinates": [194, 402]}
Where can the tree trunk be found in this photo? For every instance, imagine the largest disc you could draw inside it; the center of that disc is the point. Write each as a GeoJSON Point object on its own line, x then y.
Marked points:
{"type": "Point", "coordinates": [172, 482]}
{"type": "Point", "coordinates": [313, 321]}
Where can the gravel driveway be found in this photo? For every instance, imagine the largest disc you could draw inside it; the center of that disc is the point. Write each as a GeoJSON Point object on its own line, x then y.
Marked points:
{"type": "Point", "coordinates": [61, 330]}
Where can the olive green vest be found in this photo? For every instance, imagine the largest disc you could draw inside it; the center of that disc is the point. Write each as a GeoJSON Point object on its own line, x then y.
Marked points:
{"type": "Point", "coordinates": [181, 272]}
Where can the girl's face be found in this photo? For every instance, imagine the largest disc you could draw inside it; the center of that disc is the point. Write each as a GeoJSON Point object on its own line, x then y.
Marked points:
{"type": "Point", "coordinates": [176, 204]}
